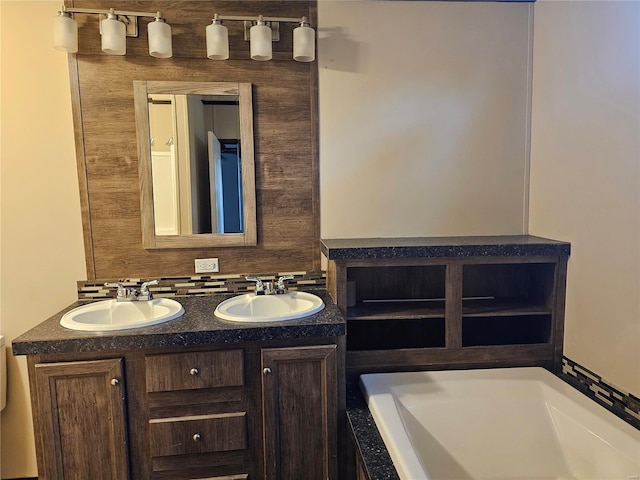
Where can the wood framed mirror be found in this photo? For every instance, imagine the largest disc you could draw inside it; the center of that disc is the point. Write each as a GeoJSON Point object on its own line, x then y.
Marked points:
{"type": "Point", "coordinates": [196, 164]}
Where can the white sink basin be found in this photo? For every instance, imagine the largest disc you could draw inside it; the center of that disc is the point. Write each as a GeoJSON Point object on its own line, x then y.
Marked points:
{"type": "Point", "coordinates": [112, 315]}
{"type": "Point", "coordinates": [269, 308]}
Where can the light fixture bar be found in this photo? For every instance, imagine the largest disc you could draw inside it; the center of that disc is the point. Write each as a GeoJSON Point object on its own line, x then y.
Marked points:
{"type": "Point", "coordinates": [261, 31]}
{"type": "Point", "coordinates": [255, 18]}
{"type": "Point", "coordinates": [115, 27]}
{"type": "Point", "coordinates": [112, 11]}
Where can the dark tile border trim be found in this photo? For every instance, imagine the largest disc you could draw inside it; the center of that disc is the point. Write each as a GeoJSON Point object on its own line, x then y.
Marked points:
{"type": "Point", "coordinates": [620, 403]}
{"type": "Point", "coordinates": [200, 285]}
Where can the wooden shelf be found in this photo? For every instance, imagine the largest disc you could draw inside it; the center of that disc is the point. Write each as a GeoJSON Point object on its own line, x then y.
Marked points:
{"type": "Point", "coordinates": [396, 310]}
{"type": "Point", "coordinates": [486, 305]}
{"type": "Point", "coordinates": [502, 308]}
{"type": "Point", "coordinates": [410, 310]}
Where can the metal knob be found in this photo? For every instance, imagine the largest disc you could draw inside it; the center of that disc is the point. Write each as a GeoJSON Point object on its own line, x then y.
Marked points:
{"type": "Point", "coordinates": [115, 382]}
{"type": "Point", "coordinates": [266, 371]}
{"type": "Point", "coordinates": [196, 437]}
{"type": "Point", "coordinates": [194, 371]}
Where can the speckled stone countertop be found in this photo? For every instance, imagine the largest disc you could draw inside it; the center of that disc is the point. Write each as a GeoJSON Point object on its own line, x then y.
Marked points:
{"type": "Point", "coordinates": [426, 247]}
{"type": "Point", "coordinates": [374, 453]}
{"type": "Point", "coordinates": [198, 326]}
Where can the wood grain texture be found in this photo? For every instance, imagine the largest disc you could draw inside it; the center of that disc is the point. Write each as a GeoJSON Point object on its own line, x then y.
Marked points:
{"type": "Point", "coordinates": [560, 282]}
{"type": "Point", "coordinates": [244, 93]}
{"type": "Point", "coordinates": [453, 307]}
{"type": "Point", "coordinates": [496, 311]}
{"type": "Point", "coordinates": [198, 434]}
{"type": "Point", "coordinates": [300, 402]}
{"type": "Point", "coordinates": [359, 362]}
{"type": "Point", "coordinates": [285, 140]}
{"type": "Point", "coordinates": [155, 417]}
{"type": "Point", "coordinates": [194, 370]}
{"type": "Point", "coordinates": [87, 419]}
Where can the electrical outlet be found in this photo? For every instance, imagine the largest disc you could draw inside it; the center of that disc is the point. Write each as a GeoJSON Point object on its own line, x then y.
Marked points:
{"type": "Point", "coordinates": [207, 265]}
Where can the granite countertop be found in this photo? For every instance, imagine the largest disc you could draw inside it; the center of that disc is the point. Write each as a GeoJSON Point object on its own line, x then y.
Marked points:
{"type": "Point", "coordinates": [374, 452]}
{"type": "Point", "coordinates": [425, 247]}
{"type": "Point", "coordinates": [198, 326]}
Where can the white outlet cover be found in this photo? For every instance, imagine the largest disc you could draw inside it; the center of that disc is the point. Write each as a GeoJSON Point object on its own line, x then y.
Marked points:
{"type": "Point", "coordinates": [206, 265]}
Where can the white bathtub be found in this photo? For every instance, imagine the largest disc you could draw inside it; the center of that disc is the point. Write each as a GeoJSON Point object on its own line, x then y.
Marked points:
{"type": "Point", "coordinates": [518, 423]}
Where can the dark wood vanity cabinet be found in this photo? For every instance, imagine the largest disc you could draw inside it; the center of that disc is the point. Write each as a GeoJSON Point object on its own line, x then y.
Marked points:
{"type": "Point", "coordinates": [80, 419]}
{"type": "Point", "coordinates": [264, 410]}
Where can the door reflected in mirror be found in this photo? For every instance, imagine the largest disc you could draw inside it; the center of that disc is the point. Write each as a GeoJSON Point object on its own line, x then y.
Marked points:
{"type": "Point", "coordinates": [196, 164]}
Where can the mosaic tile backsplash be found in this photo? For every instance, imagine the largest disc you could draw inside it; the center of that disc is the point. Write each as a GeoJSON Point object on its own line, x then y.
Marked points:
{"type": "Point", "coordinates": [623, 404]}
{"type": "Point", "coordinates": [199, 285]}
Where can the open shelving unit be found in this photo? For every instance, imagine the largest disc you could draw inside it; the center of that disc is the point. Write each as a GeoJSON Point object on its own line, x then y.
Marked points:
{"type": "Point", "coordinates": [458, 302]}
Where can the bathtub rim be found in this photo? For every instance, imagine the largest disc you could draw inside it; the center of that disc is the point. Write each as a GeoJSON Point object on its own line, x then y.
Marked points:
{"type": "Point", "coordinates": [412, 468]}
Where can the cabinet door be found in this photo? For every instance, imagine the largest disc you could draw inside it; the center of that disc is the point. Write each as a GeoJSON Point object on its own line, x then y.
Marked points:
{"type": "Point", "coordinates": [299, 394]}
{"type": "Point", "coordinates": [81, 420]}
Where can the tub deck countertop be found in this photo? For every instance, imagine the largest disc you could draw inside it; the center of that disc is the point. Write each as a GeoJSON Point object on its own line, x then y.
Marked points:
{"type": "Point", "coordinates": [374, 452]}
{"type": "Point", "coordinates": [439, 247]}
{"type": "Point", "coordinates": [198, 326]}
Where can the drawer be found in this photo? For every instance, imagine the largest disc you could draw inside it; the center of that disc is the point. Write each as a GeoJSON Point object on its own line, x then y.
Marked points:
{"type": "Point", "coordinates": [198, 434]}
{"type": "Point", "coordinates": [194, 370]}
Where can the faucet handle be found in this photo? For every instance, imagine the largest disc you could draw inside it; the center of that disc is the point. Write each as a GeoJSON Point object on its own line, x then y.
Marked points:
{"type": "Point", "coordinates": [259, 284]}
{"type": "Point", "coordinates": [122, 292]}
{"type": "Point", "coordinates": [145, 294]}
{"type": "Point", "coordinates": [282, 287]}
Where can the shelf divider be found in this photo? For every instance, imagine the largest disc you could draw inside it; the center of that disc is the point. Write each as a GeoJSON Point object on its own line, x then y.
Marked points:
{"type": "Point", "coordinates": [453, 306]}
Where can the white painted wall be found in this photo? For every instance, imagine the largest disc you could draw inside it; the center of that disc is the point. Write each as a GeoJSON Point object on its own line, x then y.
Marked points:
{"type": "Point", "coordinates": [423, 118]}
{"type": "Point", "coordinates": [585, 173]}
{"type": "Point", "coordinates": [42, 253]}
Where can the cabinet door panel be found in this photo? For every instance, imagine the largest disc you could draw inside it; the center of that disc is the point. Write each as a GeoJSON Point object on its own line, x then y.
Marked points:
{"type": "Point", "coordinates": [85, 426]}
{"type": "Point", "coordinates": [299, 405]}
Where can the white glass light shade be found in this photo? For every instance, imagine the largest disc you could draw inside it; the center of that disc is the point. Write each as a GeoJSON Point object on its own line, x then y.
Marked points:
{"type": "Point", "coordinates": [65, 34]}
{"type": "Point", "coordinates": [217, 41]}
{"type": "Point", "coordinates": [159, 39]}
{"type": "Point", "coordinates": [114, 36]}
{"type": "Point", "coordinates": [304, 44]}
{"type": "Point", "coordinates": [260, 42]}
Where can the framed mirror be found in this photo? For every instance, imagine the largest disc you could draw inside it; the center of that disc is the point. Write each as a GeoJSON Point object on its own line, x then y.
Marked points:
{"type": "Point", "coordinates": [196, 164]}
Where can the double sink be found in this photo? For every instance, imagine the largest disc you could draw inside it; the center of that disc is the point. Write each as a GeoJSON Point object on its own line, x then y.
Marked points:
{"type": "Point", "coordinates": [108, 315]}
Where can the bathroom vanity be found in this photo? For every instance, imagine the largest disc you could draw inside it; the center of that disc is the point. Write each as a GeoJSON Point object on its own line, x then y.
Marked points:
{"type": "Point", "coordinates": [194, 398]}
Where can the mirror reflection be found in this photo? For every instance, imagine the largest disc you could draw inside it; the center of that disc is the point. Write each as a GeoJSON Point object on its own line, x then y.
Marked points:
{"type": "Point", "coordinates": [195, 163]}
{"type": "Point", "coordinates": [195, 142]}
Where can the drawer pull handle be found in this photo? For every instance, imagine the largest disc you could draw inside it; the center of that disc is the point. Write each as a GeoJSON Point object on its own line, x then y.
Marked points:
{"type": "Point", "coordinates": [115, 382]}
{"type": "Point", "coordinates": [266, 371]}
{"type": "Point", "coordinates": [196, 437]}
{"type": "Point", "coordinates": [194, 371]}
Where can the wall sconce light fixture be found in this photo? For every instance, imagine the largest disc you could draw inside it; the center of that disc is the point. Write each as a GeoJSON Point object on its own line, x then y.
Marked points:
{"type": "Point", "coordinates": [261, 32]}
{"type": "Point", "coordinates": [115, 27]}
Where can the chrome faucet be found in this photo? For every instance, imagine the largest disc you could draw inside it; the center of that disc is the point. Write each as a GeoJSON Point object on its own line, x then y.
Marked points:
{"type": "Point", "coordinates": [268, 288]}
{"type": "Point", "coordinates": [125, 294]}
{"type": "Point", "coordinates": [130, 294]}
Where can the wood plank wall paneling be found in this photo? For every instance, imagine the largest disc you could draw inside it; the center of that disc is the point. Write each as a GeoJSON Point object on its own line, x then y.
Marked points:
{"type": "Point", "coordinates": [285, 131]}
